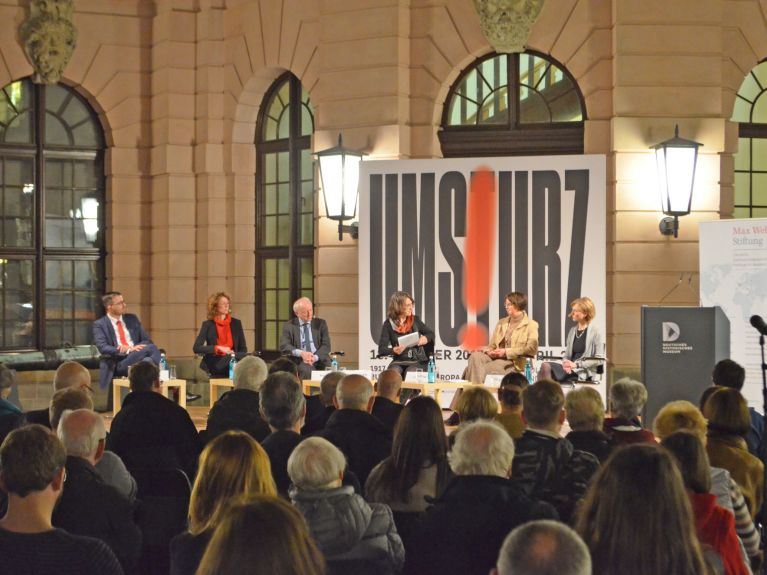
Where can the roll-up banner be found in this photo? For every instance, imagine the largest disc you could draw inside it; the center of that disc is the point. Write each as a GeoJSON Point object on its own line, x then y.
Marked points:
{"type": "Point", "coordinates": [549, 219]}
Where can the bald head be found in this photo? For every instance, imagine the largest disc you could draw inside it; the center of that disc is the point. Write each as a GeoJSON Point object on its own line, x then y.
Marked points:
{"type": "Point", "coordinates": [389, 384]}
{"type": "Point", "coordinates": [71, 374]}
{"type": "Point", "coordinates": [83, 434]}
{"type": "Point", "coordinates": [354, 392]}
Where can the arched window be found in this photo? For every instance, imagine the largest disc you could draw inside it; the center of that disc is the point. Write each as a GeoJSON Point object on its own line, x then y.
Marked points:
{"type": "Point", "coordinates": [51, 217]}
{"type": "Point", "coordinates": [513, 105]}
{"type": "Point", "coordinates": [284, 207]}
{"type": "Point", "coordinates": [751, 160]}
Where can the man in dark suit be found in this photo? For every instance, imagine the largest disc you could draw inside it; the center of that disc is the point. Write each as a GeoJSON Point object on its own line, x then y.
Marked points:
{"type": "Point", "coordinates": [306, 339]}
{"type": "Point", "coordinates": [387, 407]}
{"type": "Point", "coordinates": [121, 341]}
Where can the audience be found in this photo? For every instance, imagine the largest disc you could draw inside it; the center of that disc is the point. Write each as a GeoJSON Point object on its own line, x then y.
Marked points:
{"type": "Point", "coordinates": [232, 465]}
{"type": "Point", "coordinates": [636, 517]}
{"type": "Point", "coordinates": [546, 465]}
{"type": "Point", "coordinates": [88, 505]}
{"type": "Point", "coordinates": [32, 474]}
{"type": "Point", "coordinates": [586, 415]}
{"type": "Point", "coordinates": [150, 430]}
{"type": "Point", "coordinates": [361, 437]}
{"type": "Point", "coordinates": [715, 525]}
{"type": "Point", "coordinates": [417, 470]}
{"type": "Point", "coordinates": [11, 417]}
{"type": "Point", "coordinates": [69, 374]}
{"type": "Point", "coordinates": [262, 536]}
{"type": "Point", "coordinates": [476, 403]}
{"type": "Point", "coordinates": [344, 526]}
{"type": "Point", "coordinates": [627, 399]}
{"type": "Point", "coordinates": [284, 364]}
{"type": "Point", "coordinates": [320, 407]}
{"type": "Point", "coordinates": [238, 409]}
{"type": "Point", "coordinates": [728, 373]}
{"type": "Point", "coordinates": [283, 407]}
{"type": "Point", "coordinates": [387, 407]}
{"type": "Point", "coordinates": [728, 423]}
{"type": "Point", "coordinates": [464, 529]}
{"type": "Point", "coordinates": [543, 547]}
{"type": "Point", "coordinates": [510, 398]}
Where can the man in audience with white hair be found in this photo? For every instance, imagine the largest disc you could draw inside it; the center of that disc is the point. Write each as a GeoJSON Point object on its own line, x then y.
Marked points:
{"type": "Point", "coordinates": [586, 416]}
{"type": "Point", "coordinates": [627, 399]}
{"type": "Point", "coordinates": [344, 526]}
{"type": "Point", "coordinates": [464, 529]}
{"type": "Point", "coordinates": [89, 506]}
{"type": "Point", "coordinates": [543, 547]}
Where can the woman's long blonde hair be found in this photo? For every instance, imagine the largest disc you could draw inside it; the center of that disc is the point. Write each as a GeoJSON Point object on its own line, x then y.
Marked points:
{"type": "Point", "coordinates": [231, 465]}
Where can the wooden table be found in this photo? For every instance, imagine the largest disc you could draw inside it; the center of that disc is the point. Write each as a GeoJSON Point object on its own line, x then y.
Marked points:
{"type": "Point", "coordinates": [433, 389]}
{"type": "Point", "coordinates": [215, 384]}
{"type": "Point", "coordinates": [119, 383]}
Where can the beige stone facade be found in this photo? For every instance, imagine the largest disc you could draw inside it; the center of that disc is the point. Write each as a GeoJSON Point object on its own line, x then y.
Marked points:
{"type": "Point", "coordinates": [178, 85]}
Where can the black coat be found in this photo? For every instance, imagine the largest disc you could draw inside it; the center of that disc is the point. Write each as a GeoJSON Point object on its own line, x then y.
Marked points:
{"type": "Point", "coordinates": [278, 446]}
{"type": "Point", "coordinates": [186, 551]}
{"type": "Point", "coordinates": [463, 531]}
{"type": "Point", "coordinates": [237, 410]}
{"type": "Point", "coordinates": [206, 342]}
{"type": "Point", "coordinates": [387, 412]}
{"type": "Point", "coordinates": [88, 506]}
{"type": "Point", "coordinates": [594, 442]}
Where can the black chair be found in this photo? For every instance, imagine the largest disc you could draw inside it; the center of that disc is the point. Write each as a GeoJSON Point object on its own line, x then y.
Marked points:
{"type": "Point", "coordinates": [407, 523]}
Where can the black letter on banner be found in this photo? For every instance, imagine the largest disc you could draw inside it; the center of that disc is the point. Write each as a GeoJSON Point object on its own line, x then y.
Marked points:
{"type": "Point", "coordinates": [377, 301]}
{"type": "Point", "coordinates": [418, 243]}
{"type": "Point", "coordinates": [520, 236]}
{"type": "Point", "coordinates": [452, 311]}
{"type": "Point", "coordinates": [547, 193]}
{"type": "Point", "coordinates": [392, 234]}
{"type": "Point", "coordinates": [577, 180]}
{"type": "Point", "coordinates": [505, 231]}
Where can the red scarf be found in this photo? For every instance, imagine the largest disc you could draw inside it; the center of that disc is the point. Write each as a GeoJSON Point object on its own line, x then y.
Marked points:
{"type": "Point", "coordinates": [223, 333]}
{"type": "Point", "coordinates": [406, 326]}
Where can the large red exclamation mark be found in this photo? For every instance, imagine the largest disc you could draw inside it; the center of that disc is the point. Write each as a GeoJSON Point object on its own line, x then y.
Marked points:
{"type": "Point", "coordinates": [478, 253]}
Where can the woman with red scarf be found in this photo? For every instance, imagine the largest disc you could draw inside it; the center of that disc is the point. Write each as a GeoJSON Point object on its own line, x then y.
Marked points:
{"type": "Point", "coordinates": [220, 336]}
{"type": "Point", "coordinates": [401, 321]}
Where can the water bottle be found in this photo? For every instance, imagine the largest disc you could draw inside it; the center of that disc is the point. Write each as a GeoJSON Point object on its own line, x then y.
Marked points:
{"type": "Point", "coordinates": [529, 372]}
{"type": "Point", "coordinates": [232, 363]}
{"type": "Point", "coordinates": [163, 368]}
{"type": "Point", "coordinates": [431, 373]}
{"type": "Point", "coordinates": [334, 363]}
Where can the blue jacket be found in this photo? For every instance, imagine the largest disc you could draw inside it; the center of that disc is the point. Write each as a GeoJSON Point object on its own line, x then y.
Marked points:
{"type": "Point", "coordinates": [106, 342]}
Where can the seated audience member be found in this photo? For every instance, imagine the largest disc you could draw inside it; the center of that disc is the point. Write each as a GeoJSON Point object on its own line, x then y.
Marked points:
{"type": "Point", "coordinates": [262, 535]}
{"type": "Point", "coordinates": [110, 467]}
{"type": "Point", "coordinates": [283, 364]}
{"type": "Point", "coordinates": [510, 398]}
{"type": "Point", "coordinates": [684, 416]}
{"type": "Point", "coordinates": [69, 374]}
{"type": "Point", "coordinates": [728, 424]}
{"type": "Point", "coordinates": [88, 505]}
{"type": "Point", "coordinates": [586, 415]}
{"type": "Point", "coordinates": [543, 547]}
{"type": "Point", "coordinates": [232, 465]}
{"type": "Point", "coordinates": [387, 407]}
{"type": "Point", "coordinates": [361, 437]}
{"type": "Point", "coordinates": [238, 409]}
{"type": "Point", "coordinates": [715, 525]}
{"type": "Point", "coordinates": [11, 417]}
{"type": "Point", "coordinates": [320, 407]}
{"type": "Point", "coordinates": [417, 469]}
{"type": "Point", "coordinates": [283, 407]}
{"type": "Point", "coordinates": [627, 399]}
{"type": "Point", "coordinates": [636, 517]}
{"type": "Point", "coordinates": [464, 529]}
{"type": "Point", "coordinates": [546, 465]}
{"type": "Point", "coordinates": [150, 430]}
{"type": "Point", "coordinates": [476, 403]}
{"type": "Point", "coordinates": [728, 373]}
{"type": "Point", "coordinates": [32, 474]}
{"type": "Point", "coordinates": [342, 523]}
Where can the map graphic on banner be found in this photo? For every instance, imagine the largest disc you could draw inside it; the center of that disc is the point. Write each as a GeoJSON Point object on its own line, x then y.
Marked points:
{"type": "Point", "coordinates": [733, 275]}
{"type": "Point", "coordinates": [550, 226]}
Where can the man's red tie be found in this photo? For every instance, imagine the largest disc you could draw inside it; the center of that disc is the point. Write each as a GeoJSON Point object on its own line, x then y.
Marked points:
{"type": "Point", "coordinates": [121, 331]}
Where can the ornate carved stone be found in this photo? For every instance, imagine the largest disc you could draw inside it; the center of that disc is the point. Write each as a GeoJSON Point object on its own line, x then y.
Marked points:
{"type": "Point", "coordinates": [506, 23]}
{"type": "Point", "coordinates": [49, 38]}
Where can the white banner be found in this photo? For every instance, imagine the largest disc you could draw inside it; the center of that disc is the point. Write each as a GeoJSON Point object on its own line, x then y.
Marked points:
{"type": "Point", "coordinates": [549, 221]}
{"type": "Point", "coordinates": [733, 275]}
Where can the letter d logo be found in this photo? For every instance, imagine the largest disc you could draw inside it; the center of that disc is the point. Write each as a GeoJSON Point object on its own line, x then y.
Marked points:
{"type": "Point", "coordinates": [670, 331]}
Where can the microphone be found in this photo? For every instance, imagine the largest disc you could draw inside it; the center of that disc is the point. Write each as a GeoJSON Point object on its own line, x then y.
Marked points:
{"type": "Point", "coordinates": [758, 323]}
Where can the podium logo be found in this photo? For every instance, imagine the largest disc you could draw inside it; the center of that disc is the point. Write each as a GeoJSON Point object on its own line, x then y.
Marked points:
{"type": "Point", "coordinates": [670, 331]}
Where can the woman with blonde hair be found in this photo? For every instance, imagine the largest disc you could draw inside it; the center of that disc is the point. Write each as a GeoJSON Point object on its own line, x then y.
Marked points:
{"type": "Point", "coordinates": [231, 465]}
{"type": "Point", "coordinates": [262, 536]}
{"type": "Point", "coordinates": [220, 337]}
{"type": "Point", "coordinates": [400, 322]}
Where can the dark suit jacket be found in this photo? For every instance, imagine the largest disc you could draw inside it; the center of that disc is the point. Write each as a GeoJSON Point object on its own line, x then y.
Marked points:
{"type": "Point", "coordinates": [278, 446]}
{"type": "Point", "coordinates": [387, 412]}
{"type": "Point", "coordinates": [206, 341]}
{"type": "Point", "coordinates": [291, 338]}
{"type": "Point", "coordinates": [106, 342]}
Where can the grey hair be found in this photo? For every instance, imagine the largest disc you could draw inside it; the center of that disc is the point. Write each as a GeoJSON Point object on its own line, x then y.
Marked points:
{"type": "Point", "coordinates": [585, 410]}
{"type": "Point", "coordinates": [78, 440]}
{"type": "Point", "coordinates": [7, 376]}
{"type": "Point", "coordinates": [544, 547]}
{"type": "Point", "coordinates": [281, 400]}
{"type": "Point", "coordinates": [329, 384]}
{"type": "Point", "coordinates": [250, 373]}
{"type": "Point", "coordinates": [316, 464]}
{"type": "Point", "coordinates": [355, 398]}
{"type": "Point", "coordinates": [482, 447]}
{"type": "Point", "coordinates": [627, 398]}
{"type": "Point", "coordinates": [300, 302]}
